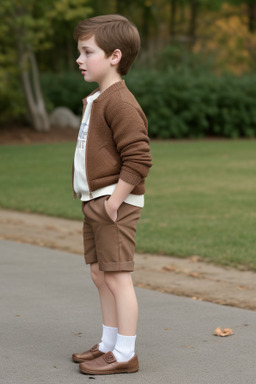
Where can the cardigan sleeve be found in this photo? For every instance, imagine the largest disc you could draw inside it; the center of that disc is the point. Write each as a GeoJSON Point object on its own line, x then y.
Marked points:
{"type": "Point", "coordinates": [129, 128]}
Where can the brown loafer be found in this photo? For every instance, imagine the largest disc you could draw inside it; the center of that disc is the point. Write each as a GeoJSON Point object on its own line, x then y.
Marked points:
{"type": "Point", "coordinates": [93, 353]}
{"type": "Point", "coordinates": [107, 365]}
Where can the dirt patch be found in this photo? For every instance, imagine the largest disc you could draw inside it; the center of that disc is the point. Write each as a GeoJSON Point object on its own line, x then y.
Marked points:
{"type": "Point", "coordinates": [186, 277]}
{"type": "Point", "coordinates": [26, 135]}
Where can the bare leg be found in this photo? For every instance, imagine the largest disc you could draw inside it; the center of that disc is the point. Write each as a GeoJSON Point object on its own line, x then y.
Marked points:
{"type": "Point", "coordinates": [107, 300]}
{"type": "Point", "coordinates": [121, 286]}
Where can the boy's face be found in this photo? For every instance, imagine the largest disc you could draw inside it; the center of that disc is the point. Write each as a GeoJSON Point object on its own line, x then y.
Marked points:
{"type": "Point", "coordinates": [93, 63]}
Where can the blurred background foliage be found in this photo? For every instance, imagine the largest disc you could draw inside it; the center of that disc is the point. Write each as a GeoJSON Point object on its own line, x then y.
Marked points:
{"type": "Point", "coordinates": [195, 75]}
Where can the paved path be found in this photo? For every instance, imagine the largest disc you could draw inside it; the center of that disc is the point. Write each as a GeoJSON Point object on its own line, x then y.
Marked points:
{"type": "Point", "coordinates": [191, 277]}
{"type": "Point", "coordinates": [48, 311]}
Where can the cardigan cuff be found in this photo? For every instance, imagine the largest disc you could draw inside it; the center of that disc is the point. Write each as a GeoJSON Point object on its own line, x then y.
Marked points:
{"type": "Point", "coordinates": [130, 178]}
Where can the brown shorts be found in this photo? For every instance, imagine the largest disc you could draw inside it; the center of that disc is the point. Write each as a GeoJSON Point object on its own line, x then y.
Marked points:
{"type": "Point", "coordinates": [107, 242]}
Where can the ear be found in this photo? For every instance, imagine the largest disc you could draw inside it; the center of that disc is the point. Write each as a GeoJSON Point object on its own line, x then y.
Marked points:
{"type": "Point", "coordinates": [116, 57]}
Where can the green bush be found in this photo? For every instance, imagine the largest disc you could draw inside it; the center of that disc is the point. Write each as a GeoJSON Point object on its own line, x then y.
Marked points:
{"type": "Point", "coordinates": [65, 89]}
{"type": "Point", "coordinates": [179, 103]}
{"type": "Point", "coordinates": [178, 56]}
{"type": "Point", "coordinates": [12, 104]}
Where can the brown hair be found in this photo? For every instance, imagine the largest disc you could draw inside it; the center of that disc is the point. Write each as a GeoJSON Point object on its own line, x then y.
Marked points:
{"type": "Point", "coordinates": [112, 32]}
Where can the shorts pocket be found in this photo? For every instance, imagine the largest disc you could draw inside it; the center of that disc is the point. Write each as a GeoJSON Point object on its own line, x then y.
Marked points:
{"type": "Point", "coordinates": [83, 207]}
{"type": "Point", "coordinates": [106, 213]}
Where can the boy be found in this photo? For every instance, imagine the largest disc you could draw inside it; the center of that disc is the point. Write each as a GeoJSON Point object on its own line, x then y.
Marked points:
{"type": "Point", "coordinates": [111, 162]}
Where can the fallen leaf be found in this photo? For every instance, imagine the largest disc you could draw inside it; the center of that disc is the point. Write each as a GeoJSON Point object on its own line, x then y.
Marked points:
{"type": "Point", "coordinates": [170, 268]}
{"type": "Point", "coordinates": [196, 275]}
{"type": "Point", "coordinates": [51, 227]}
{"type": "Point", "coordinates": [197, 298]}
{"type": "Point", "coordinates": [223, 332]}
{"type": "Point", "coordinates": [194, 259]}
{"type": "Point", "coordinates": [240, 287]}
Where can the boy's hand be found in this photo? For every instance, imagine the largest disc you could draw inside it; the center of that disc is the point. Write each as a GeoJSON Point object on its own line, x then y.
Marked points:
{"type": "Point", "coordinates": [111, 211]}
{"type": "Point", "coordinates": [120, 193]}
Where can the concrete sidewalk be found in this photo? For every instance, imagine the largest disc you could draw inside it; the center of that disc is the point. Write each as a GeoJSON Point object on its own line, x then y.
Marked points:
{"type": "Point", "coordinates": [49, 309]}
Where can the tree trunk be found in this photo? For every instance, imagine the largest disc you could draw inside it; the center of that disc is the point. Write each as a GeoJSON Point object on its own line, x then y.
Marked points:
{"type": "Point", "coordinates": [251, 7]}
{"type": "Point", "coordinates": [32, 90]}
{"type": "Point", "coordinates": [173, 4]}
{"type": "Point", "coordinates": [70, 52]}
{"type": "Point", "coordinates": [193, 21]}
{"type": "Point", "coordinates": [121, 6]}
{"type": "Point", "coordinates": [146, 24]}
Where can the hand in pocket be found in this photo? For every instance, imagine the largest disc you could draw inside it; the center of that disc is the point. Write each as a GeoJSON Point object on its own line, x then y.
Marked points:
{"type": "Point", "coordinates": [112, 212]}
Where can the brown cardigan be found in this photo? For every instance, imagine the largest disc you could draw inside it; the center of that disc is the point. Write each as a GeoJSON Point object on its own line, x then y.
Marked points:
{"type": "Point", "coordinates": [117, 142]}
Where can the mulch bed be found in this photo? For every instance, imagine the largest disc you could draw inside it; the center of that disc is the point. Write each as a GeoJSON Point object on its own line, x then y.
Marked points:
{"type": "Point", "coordinates": [26, 135]}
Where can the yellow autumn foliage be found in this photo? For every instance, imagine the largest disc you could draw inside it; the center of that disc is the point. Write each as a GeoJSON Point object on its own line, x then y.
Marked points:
{"type": "Point", "coordinates": [228, 38]}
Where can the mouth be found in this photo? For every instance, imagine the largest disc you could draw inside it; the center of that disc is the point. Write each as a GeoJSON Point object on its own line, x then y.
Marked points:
{"type": "Point", "coordinates": [83, 71]}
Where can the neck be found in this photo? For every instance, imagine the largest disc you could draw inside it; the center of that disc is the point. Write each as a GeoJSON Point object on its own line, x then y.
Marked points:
{"type": "Point", "coordinates": [106, 83]}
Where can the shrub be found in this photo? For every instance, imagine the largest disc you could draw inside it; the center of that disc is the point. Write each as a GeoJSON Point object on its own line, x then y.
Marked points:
{"type": "Point", "coordinates": [179, 103]}
{"type": "Point", "coordinates": [65, 89]}
{"type": "Point", "coordinates": [12, 103]}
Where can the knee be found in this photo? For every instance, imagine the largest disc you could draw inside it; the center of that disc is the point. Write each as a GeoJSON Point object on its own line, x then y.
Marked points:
{"type": "Point", "coordinates": [97, 275]}
{"type": "Point", "coordinates": [117, 281]}
{"type": "Point", "coordinates": [110, 281]}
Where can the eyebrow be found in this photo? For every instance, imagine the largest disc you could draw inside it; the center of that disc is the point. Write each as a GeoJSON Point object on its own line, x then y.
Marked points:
{"type": "Point", "coordinates": [86, 46]}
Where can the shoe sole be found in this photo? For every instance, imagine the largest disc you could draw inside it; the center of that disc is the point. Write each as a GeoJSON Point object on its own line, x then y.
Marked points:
{"type": "Point", "coordinates": [108, 372]}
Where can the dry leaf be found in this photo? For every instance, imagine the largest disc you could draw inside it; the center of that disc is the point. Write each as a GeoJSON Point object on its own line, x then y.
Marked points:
{"type": "Point", "coordinates": [196, 275]}
{"type": "Point", "coordinates": [194, 259]}
{"type": "Point", "coordinates": [170, 268]}
{"type": "Point", "coordinates": [223, 332]}
{"type": "Point", "coordinates": [240, 287]}
{"type": "Point", "coordinates": [197, 298]}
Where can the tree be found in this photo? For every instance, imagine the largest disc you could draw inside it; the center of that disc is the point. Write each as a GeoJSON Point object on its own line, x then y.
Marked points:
{"type": "Point", "coordinates": [26, 29]}
{"type": "Point", "coordinates": [185, 17]}
{"type": "Point", "coordinates": [194, 10]}
{"type": "Point", "coordinates": [23, 33]}
{"type": "Point", "coordinates": [251, 6]}
{"type": "Point", "coordinates": [63, 15]}
{"type": "Point", "coordinates": [250, 12]}
{"type": "Point", "coordinates": [173, 4]}
{"type": "Point", "coordinates": [246, 9]}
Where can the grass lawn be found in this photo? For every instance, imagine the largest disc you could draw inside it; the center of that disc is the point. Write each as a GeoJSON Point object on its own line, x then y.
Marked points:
{"type": "Point", "coordinates": [201, 195]}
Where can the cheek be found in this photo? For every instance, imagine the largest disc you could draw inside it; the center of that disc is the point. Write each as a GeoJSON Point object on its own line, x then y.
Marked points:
{"type": "Point", "coordinates": [94, 65]}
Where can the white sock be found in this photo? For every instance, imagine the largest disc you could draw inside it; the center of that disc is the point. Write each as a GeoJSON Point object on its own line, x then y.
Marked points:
{"type": "Point", "coordinates": [124, 348]}
{"type": "Point", "coordinates": [108, 339]}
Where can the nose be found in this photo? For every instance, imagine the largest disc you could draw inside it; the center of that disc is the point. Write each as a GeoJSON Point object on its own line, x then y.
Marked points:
{"type": "Point", "coordinates": [79, 60]}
